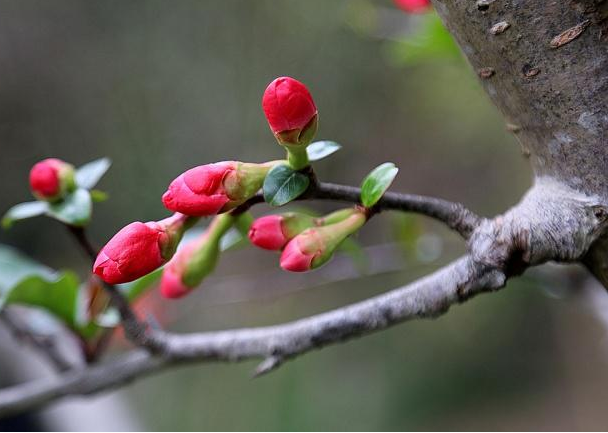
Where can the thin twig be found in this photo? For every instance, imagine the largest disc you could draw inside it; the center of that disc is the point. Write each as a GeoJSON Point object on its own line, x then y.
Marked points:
{"type": "Point", "coordinates": [455, 215]}
{"type": "Point", "coordinates": [45, 345]}
{"type": "Point", "coordinates": [137, 332]}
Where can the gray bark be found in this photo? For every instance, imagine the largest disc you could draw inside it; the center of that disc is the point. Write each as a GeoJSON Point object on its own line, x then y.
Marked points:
{"type": "Point", "coordinates": [545, 66]}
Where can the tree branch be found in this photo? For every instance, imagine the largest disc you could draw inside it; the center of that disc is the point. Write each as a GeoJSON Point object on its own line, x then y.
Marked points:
{"type": "Point", "coordinates": [45, 345]}
{"type": "Point", "coordinates": [430, 296]}
{"type": "Point", "coordinates": [453, 214]}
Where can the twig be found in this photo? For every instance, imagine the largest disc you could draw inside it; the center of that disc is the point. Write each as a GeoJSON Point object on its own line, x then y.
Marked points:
{"type": "Point", "coordinates": [137, 332]}
{"type": "Point", "coordinates": [42, 344]}
{"type": "Point", "coordinates": [428, 297]}
{"type": "Point", "coordinates": [455, 215]}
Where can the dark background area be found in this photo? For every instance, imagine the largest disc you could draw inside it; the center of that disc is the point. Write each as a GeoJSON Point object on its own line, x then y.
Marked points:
{"type": "Point", "coordinates": [162, 86]}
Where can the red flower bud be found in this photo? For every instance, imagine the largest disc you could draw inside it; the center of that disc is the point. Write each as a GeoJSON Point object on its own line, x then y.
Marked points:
{"type": "Point", "coordinates": [214, 188]}
{"type": "Point", "coordinates": [138, 249]}
{"type": "Point", "coordinates": [413, 6]}
{"type": "Point", "coordinates": [51, 178]}
{"type": "Point", "coordinates": [192, 263]}
{"type": "Point", "coordinates": [266, 232]}
{"type": "Point", "coordinates": [171, 284]}
{"type": "Point", "coordinates": [272, 232]}
{"type": "Point", "coordinates": [315, 246]}
{"type": "Point", "coordinates": [290, 110]}
{"type": "Point", "coordinates": [301, 251]}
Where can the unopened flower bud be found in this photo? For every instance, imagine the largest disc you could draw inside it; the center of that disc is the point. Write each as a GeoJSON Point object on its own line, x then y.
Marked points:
{"type": "Point", "coordinates": [272, 232]}
{"type": "Point", "coordinates": [51, 179]}
{"type": "Point", "coordinates": [290, 111]}
{"type": "Point", "coordinates": [315, 246]}
{"type": "Point", "coordinates": [414, 6]}
{"type": "Point", "coordinates": [215, 188]}
{"type": "Point", "coordinates": [139, 248]}
{"type": "Point", "coordinates": [192, 263]}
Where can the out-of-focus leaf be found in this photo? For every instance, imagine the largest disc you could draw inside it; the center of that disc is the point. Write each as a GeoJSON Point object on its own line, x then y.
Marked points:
{"type": "Point", "coordinates": [322, 149]}
{"type": "Point", "coordinates": [283, 184]}
{"type": "Point", "coordinates": [75, 209]}
{"type": "Point", "coordinates": [377, 182]}
{"type": "Point", "coordinates": [98, 196]}
{"type": "Point", "coordinates": [58, 296]}
{"type": "Point", "coordinates": [25, 281]}
{"type": "Point", "coordinates": [407, 231]}
{"type": "Point", "coordinates": [429, 41]}
{"type": "Point", "coordinates": [24, 210]}
{"type": "Point", "coordinates": [355, 251]}
{"type": "Point", "coordinates": [89, 174]}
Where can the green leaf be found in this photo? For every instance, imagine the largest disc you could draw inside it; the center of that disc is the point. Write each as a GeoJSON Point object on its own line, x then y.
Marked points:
{"type": "Point", "coordinates": [98, 196]}
{"type": "Point", "coordinates": [89, 174]}
{"type": "Point", "coordinates": [25, 281]}
{"type": "Point", "coordinates": [283, 184]}
{"type": "Point", "coordinates": [75, 209]}
{"type": "Point", "coordinates": [22, 211]}
{"type": "Point", "coordinates": [58, 296]}
{"type": "Point", "coordinates": [321, 149]}
{"type": "Point", "coordinates": [430, 41]}
{"type": "Point", "coordinates": [377, 182]}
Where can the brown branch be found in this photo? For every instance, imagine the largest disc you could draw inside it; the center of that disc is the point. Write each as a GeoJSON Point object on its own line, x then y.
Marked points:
{"type": "Point", "coordinates": [428, 297]}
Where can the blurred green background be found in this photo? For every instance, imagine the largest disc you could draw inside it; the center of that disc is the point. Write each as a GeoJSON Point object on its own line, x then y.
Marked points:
{"type": "Point", "coordinates": [161, 86]}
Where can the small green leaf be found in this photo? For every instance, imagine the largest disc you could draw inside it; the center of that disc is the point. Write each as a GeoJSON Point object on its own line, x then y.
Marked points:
{"type": "Point", "coordinates": [75, 209]}
{"type": "Point", "coordinates": [321, 149]}
{"type": "Point", "coordinates": [98, 196]}
{"type": "Point", "coordinates": [22, 211]}
{"type": "Point", "coordinates": [89, 174]}
{"type": "Point", "coordinates": [283, 184]}
{"type": "Point", "coordinates": [377, 182]}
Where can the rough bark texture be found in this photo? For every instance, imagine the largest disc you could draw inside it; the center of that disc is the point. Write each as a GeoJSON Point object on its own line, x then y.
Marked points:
{"type": "Point", "coordinates": [545, 65]}
{"type": "Point", "coordinates": [555, 98]}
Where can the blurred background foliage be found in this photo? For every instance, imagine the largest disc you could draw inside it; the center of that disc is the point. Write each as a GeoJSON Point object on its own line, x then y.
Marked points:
{"type": "Point", "coordinates": [162, 86]}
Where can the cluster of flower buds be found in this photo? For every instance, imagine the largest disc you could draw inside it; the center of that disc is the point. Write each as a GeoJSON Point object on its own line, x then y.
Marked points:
{"type": "Point", "coordinates": [197, 259]}
{"type": "Point", "coordinates": [51, 179]}
{"type": "Point", "coordinates": [414, 6]}
{"type": "Point", "coordinates": [306, 242]}
{"type": "Point", "coordinates": [140, 248]}
{"type": "Point", "coordinates": [213, 189]}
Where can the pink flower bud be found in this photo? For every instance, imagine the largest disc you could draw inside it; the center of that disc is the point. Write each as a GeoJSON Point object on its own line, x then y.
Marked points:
{"type": "Point", "coordinates": [300, 252]}
{"type": "Point", "coordinates": [171, 284]}
{"type": "Point", "coordinates": [315, 246]}
{"type": "Point", "coordinates": [214, 188]}
{"type": "Point", "coordinates": [192, 263]}
{"type": "Point", "coordinates": [51, 178]}
{"type": "Point", "coordinates": [266, 232]}
{"type": "Point", "coordinates": [290, 110]}
{"type": "Point", "coordinates": [272, 232]}
{"type": "Point", "coordinates": [200, 190]}
{"type": "Point", "coordinates": [414, 6]}
{"type": "Point", "coordinates": [138, 249]}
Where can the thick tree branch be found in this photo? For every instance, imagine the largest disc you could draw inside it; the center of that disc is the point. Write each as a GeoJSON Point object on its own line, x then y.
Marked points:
{"type": "Point", "coordinates": [427, 297]}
